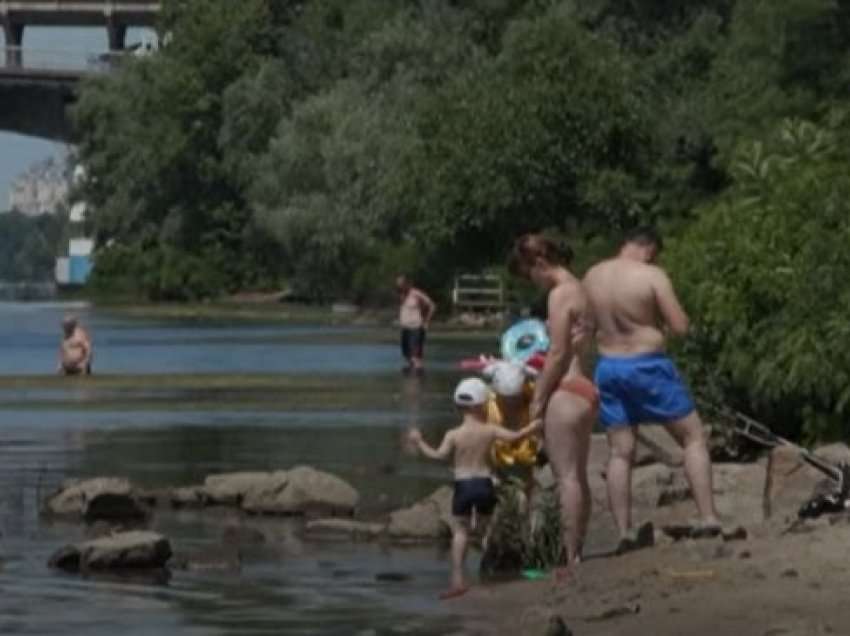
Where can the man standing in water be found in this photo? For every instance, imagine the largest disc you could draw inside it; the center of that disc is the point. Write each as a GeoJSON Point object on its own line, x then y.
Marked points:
{"type": "Point", "coordinates": [415, 312]}
{"type": "Point", "coordinates": [75, 351]}
{"type": "Point", "coordinates": [635, 307]}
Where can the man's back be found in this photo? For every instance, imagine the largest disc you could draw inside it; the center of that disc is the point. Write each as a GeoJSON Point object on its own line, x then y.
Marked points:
{"type": "Point", "coordinates": [624, 296]}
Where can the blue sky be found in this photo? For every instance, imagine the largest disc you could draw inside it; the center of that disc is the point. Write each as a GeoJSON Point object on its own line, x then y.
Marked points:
{"type": "Point", "coordinates": [17, 152]}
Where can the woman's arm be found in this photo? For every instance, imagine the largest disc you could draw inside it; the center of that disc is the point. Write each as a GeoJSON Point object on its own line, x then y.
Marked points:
{"type": "Point", "coordinates": [560, 351]}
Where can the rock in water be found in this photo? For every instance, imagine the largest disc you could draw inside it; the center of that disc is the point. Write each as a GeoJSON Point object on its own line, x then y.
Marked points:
{"type": "Point", "coordinates": [303, 490]}
{"type": "Point", "coordinates": [107, 506]}
{"type": "Point", "coordinates": [74, 495]}
{"type": "Point", "coordinates": [426, 520]}
{"type": "Point", "coordinates": [122, 551]}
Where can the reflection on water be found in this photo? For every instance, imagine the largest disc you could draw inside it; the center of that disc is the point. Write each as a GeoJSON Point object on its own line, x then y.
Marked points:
{"type": "Point", "coordinates": [161, 430]}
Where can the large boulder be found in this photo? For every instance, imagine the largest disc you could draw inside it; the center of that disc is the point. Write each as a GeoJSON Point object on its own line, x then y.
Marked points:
{"type": "Point", "coordinates": [122, 551]}
{"type": "Point", "coordinates": [426, 520]}
{"type": "Point", "coordinates": [838, 453]}
{"type": "Point", "coordinates": [107, 506]}
{"type": "Point", "coordinates": [302, 490]}
{"type": "Point", "coordinates": [654, 444]}
{"type": "Point", "coordinates": [74, 495]}
{"type": "Point", "coordinates": [230, 489]}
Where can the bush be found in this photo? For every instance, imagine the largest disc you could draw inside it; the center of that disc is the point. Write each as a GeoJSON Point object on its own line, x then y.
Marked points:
{"type": "Point", "coordinates": [764, 271]}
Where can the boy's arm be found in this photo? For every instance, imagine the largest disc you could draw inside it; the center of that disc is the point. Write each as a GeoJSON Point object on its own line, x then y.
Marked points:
{"type": "Point", "coordinates": [503, 434]}
{"type": "Point", "coordinates": [441, 453]}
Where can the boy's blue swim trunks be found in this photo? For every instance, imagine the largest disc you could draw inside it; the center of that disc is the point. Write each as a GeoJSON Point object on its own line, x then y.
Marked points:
{"type": "Point", "coordinates": [640, 389]}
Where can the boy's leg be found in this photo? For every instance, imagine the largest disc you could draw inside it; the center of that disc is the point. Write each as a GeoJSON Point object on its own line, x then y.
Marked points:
{"type": "Point", "coordinates": [689, 435]}
{"type": "Point", "coordinates": [460, 542]}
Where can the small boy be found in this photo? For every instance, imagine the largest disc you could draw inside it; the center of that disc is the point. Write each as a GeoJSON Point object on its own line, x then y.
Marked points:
{"type": "Point", "coordinates": [469, 445]}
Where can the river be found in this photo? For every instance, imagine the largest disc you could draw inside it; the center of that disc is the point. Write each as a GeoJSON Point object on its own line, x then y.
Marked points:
{"type": "Point", "coordinates": [173, 401]}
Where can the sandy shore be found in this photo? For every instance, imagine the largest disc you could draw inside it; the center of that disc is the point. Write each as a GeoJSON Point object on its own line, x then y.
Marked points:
{"type": "Point", "coordinates": [773, 583]}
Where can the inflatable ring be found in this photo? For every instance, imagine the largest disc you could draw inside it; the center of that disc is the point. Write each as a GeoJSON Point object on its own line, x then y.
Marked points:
{"type": "Point", "coordinates": [524, 339]}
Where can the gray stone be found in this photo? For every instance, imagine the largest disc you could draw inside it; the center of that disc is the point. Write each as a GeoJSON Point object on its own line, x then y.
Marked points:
{"type": "Point", "coordinates": [124, 550]}
{"type": "Point", "coordinates": [426, 520]}
{"type": "Point", "coordinates": [107, 506]}
{"type": "Point", "coordinates": [71, 499]}
{"type": "Point", "coordinates": [302, 490]}
{"type": "Point", "coordinates": [188, 497]}
{"type": "Point", "coordinates": [229, 489]}
{"type": "Point", "coordinates": [654, 444]}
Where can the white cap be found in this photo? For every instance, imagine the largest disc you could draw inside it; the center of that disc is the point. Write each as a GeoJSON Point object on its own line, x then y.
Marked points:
{"type": "Point", "coordinates": [471, 392]}
{"type": "Point", "coordinates": [506, 378]}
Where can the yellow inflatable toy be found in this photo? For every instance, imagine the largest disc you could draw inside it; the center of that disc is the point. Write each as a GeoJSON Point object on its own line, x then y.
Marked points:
{"type": "Point", "coordinates": [521, 453]}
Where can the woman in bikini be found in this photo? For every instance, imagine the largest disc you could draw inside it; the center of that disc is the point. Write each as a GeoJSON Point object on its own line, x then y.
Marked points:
{"type": "Point", "coordinates": [564, 398]}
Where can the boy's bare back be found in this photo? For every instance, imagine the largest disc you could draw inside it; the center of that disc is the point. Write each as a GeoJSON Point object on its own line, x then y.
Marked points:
{"type": "Point", "coordinates": [471, 442]}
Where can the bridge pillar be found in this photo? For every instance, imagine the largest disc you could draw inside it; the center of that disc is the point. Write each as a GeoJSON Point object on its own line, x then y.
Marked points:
{"type": "Point", "coordinates": [117, 35]}
{"type": "Point", "coordinates": [14, 34]}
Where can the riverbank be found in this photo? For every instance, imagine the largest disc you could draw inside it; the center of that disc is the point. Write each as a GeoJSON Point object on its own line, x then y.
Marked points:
{"type": "Point", "coordinates": [774, 583]}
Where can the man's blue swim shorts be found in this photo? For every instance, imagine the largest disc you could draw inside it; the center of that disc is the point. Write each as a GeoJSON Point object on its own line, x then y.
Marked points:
{"type": "Point", "coordinates": [640, 389]}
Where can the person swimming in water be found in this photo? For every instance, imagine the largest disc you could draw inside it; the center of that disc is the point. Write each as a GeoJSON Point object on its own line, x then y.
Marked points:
{"type": "Point", "coordinates": [469, 445]}
{"type": "Point", "coordinates": [75, 350]}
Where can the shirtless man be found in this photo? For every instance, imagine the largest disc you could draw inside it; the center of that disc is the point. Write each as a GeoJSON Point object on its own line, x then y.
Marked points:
{"type": "Point", "coordinates": [564, 397]}
{"type": "Point", "coordinates": [75, 351]}
{"type": "Point", "coordinates": [635, 308]}
{"type": "Point", "coordinates": [415, 312]}
{"type": "Point", "coordinates": [469, 446]}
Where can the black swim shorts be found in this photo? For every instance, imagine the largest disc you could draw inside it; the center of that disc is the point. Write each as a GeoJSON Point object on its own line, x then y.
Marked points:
{"type": "Point", "coordinates": [476, 492]}
{"type": "Point", "coordinates": [412, 342]}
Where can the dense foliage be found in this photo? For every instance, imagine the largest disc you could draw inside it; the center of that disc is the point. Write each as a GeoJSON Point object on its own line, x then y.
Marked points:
{"type": "Point", "coordinates": [327, 144]}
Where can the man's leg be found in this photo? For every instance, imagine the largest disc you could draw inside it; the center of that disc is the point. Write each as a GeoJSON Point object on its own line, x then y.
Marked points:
{"type": "Point", "coordinates": [689, 435]}
{"type": "Point", "coordinates": [621, 443]}
{"type": "Point", "coordinates": [405, 348]}
{"type": "Point", "coordinates": [568, 424]}
{"type": "Point", "coordinates": [417, 349]}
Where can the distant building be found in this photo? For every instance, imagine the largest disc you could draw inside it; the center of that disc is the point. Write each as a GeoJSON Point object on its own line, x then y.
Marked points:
{"type": "Point", "coordinates": [75, 268]}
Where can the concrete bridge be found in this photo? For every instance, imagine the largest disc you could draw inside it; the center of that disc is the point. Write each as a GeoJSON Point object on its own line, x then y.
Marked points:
{"type": "Point", "coordinates": [36, 86]}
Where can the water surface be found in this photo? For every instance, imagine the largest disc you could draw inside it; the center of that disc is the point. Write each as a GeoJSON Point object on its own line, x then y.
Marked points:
{"type": "Point", "coordinates": [174, 401]}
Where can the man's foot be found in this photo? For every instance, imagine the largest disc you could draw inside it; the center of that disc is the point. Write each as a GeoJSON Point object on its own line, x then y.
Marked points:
{"type": "Point", "coordinates": [454, 592]}
{"type": "Point", "coordinates": [635, 539]}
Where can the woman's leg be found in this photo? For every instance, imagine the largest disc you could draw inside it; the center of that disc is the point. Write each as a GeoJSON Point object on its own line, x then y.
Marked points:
{"type": "Point", "coordinates": [567, 425]}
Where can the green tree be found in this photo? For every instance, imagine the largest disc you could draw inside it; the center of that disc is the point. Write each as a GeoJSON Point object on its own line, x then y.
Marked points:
{"type": "Point", "coordinates": [763, 272]}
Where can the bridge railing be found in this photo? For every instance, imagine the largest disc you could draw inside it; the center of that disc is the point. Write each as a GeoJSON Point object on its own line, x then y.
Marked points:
{"type": "Point", "coordinates": [57, 60]}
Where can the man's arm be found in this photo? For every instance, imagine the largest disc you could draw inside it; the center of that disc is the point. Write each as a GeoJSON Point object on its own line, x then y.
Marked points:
{"type": "Point", "coordinates": [428, 305]}
{"type": "Point", "coordinates": [668, 304]}
{"type": "Point", "coordinates": [441, 453]}
{"type": "Point", "coordinates": [559, 354]}
{"type": "Point", "coordinates": [85, 341]}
